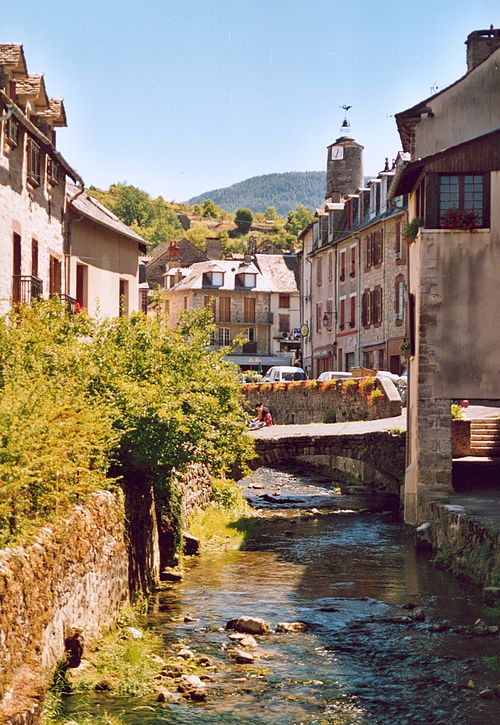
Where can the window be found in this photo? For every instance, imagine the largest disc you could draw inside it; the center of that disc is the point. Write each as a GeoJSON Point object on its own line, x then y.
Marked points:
{"type": "Point", "coordinates": [399, 291]}
{"type": "Point", "coordinates": [398, 241]}
{"type": "Point", "coordinates": [319, 272]}
{"type": "Point", "coordinates": [143, 301]}
{"type": "Point", "coordinates": [81, 286]}
{"type": "Point", "coordinates": [224, 309]}
{"type": "Point", "coordinates": [224, 336]}
{"type": "Point", "coordinates": [52, 171]}
{"type": "Point", "coordinates": [376, 311]}
{"type": "Point", "coordinates": [330, 266]}
{"type": "Point", "coordinates": [319, 312]}
{"type": "Point", "coordinates": [352, 263]}
{"type": "Point", "coordinates": [248, 280]}
{"type": "Point", "coordinates": [374, 245]}
{"type": "Point", "coordinates": [249, 309]}
{"type": "Point", "coordinates": [55, 276]}
{"type": "Point", "coordinates": [34, 167]}
{"type": "Point", "coordinates": [34, 258]}
{"type": "Point", "coordinates": [284, 323]}
{"type": "Point", "coordinates": [213, 279]}
{"type": "Point", "coordinates": [352, 311]}
{"type": "Point", "coordinates": [250, 334]}
{"type": "Point", "coordinates": [284, 301]}
{"type": "Point", "coordinates": [12, 132]}
{"type": "Point", "coordinates": [209, 304]}
{"type": "Point", "coordinates": [366, 308]}
{"type": "Point", "coordinates": [463, 192]}
{"type": "Point", "coordinates": [342, 266]}
{"type": "Point", "coordinates": [329, 315]}
{"type": "Point", "coordinates": [342, 313]}
{"type": "Point", "coordinates": [123, 298]}
{"type": "Point", "coordinates": [185, 303]}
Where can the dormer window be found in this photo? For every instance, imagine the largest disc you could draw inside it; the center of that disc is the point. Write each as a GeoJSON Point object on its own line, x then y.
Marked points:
{"type": "Point", "coordinates": [213, 279]}
{"type": "Point", "coordinates": [247, 279]}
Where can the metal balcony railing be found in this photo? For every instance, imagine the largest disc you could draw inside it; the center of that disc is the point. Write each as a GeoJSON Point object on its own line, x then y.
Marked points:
{"type": "Point", "coordinates": [25, 288]}
{"type": "Point", "coordinates": [70, 302]}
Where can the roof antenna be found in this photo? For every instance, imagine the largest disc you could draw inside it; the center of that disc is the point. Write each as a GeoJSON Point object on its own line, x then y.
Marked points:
{"type": "Point", "coordinates": [345, 128]}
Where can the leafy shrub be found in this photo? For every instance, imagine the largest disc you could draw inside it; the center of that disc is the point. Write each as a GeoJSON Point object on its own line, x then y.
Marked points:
{"type": "Point", "coordinates": [375, 396]}
{"type": "Point", "coordinates": [80, 399]}
{"type": "Point", "coordinates": [457, 412]}
{"type": "Point", "coordinates": [227, 494]}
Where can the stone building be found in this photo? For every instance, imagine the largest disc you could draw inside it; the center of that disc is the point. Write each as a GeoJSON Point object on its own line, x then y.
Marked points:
{"type": "Point", "coordinates": [255, 297]}
{"type": "Point", "coordinates": [354, 260]}
{"type": "Point", "coordinates": [54, 238]}
{"type": "Point", "coordinates": [453, 182]}
{"type": "Point", "coordinates": [32, 185]}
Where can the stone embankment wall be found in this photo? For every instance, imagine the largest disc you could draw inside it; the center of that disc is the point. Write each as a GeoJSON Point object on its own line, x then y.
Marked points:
{"type": "Point", "coordinates": [460, 438]}
{"type": "Point", "coordinates": [72, 579]}
{"type": "Point", "coordinates": [462, 543]}
{"type": "Point", "coordinates": [314, 402]}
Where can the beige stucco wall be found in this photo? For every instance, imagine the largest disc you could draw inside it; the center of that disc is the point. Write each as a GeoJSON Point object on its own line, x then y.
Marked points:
{"type": "Point", "coordinates": [466, 332]}
{"type": "Point", "coordinates": [464, 111]}
{"type": "Point", "coordinates": [109, 257]}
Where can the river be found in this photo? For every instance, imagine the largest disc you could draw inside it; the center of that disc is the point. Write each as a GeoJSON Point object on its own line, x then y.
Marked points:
{"type": "Point", "coordinates": [349, 571]}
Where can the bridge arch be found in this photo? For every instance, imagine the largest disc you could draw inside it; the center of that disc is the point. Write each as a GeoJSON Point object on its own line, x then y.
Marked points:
{"type": "Point", "coordinates": [375, 458]}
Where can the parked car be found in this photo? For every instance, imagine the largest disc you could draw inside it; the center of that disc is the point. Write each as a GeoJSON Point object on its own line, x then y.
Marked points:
{"type": "Point", "coordinates": [387, 374]}
{"type": "Point", "coordinates": [284, 374]}
{"type": "Point", "coordinates": [334, 375]}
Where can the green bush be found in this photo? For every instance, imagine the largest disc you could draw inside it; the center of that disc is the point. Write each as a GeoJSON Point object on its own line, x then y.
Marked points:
{"type": "Point", "coordinates": [83, 402]}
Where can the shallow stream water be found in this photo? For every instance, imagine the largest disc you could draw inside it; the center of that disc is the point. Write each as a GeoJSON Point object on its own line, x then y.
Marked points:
{"type": "Point", "coordinates": [346, 569]}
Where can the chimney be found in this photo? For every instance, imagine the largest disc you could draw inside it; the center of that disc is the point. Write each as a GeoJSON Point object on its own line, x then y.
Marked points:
{"type": "Point", "coordinates": [213, 248]}
{"type": "Point", "coordinates": [173, 254]}
{"type": "Point", "coordinates": [344, 168]}
{"type": "Point", "coordinates": [480, 44]}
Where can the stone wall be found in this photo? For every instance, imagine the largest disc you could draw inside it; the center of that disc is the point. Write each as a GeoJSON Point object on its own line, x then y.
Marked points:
{"type": "Point", "coordinates": [302, 403]}
{"type": "Point", "coordinates": [460, 438]}
{"type": "Point", "coordinates": [73, 578]}
{"type": "Point", "coordinates": [195, 485]}
{"type": "Point", "coordinates": [465, 545]}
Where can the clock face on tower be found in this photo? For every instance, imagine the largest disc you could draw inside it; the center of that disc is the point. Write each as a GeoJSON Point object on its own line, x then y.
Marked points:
{"type": "Point", "coordinates": [337, 153]}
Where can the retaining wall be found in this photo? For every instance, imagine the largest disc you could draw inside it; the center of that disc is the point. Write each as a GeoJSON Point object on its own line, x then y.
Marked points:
{"type": "Point", "coordinates": [329, 402]}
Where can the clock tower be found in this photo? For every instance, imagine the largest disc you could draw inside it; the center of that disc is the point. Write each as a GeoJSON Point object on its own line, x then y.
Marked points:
{"type": "Point", "coordinates": [344, 168]}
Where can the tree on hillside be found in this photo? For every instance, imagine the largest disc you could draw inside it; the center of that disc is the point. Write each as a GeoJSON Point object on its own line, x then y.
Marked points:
{"type": "Point", "coordinates": [210, 209]}
{"type": "Point", "coordinates": [298, 219]}
{"type": "Point", "coordinates": [197, 235]}
{"type": "Point", "coordinates": [243, 220]}
{"type": "Point", "coordinates": [271, 214]}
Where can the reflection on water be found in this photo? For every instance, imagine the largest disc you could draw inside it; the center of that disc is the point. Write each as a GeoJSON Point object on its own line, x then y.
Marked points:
{"type": "Point", "coordinates": [345, 573]}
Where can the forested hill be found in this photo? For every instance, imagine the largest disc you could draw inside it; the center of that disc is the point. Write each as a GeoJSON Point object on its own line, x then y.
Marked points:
{"type": "Point", "coordinates": [283, 191]}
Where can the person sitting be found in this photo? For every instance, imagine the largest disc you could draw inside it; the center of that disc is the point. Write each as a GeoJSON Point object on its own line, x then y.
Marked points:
{"type": "Point", "coordinates": [263, 415]}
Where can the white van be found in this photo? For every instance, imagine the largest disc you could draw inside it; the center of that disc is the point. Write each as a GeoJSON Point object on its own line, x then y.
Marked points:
{"type": "Point", "coordinates": [284, 374]}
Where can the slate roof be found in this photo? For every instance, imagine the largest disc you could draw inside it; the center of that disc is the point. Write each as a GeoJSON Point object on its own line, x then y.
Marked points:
{"type": "Point", "coordinates": [274, 273]}
{"type": "Point", "coordinates": [12, 54]}
{"type": "Point", "coordinates": [55, 112]}
{"type": "Point", "coordinates": [96, 212]}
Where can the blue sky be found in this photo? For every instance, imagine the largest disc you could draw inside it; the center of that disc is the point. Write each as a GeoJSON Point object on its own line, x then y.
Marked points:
{"type": "Point", "coordinates": [181, 96]}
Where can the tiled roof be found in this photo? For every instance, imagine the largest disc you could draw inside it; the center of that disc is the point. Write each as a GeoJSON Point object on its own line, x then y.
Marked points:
{"type": "Point", "coordinates": [96, 212]}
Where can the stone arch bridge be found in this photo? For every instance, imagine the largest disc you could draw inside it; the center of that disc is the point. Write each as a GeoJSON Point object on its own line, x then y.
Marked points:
{"type": "Point", "coordinates": [375, 458]}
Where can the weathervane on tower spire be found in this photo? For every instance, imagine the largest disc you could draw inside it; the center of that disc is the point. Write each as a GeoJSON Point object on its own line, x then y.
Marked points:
{"type": "Point", "coordinates": [345, 128]}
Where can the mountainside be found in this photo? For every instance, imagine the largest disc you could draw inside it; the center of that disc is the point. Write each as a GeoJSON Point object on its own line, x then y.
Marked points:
{"type": "Point", "coordinates": [283, 191]}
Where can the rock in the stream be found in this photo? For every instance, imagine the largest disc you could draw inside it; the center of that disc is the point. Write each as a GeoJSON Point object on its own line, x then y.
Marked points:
{"type": "Point", "coordinates": [186, 654]}
{"type": "Point", "coordinates": [133, 632]}
{"type": "Point", "coordinates": [248, 641]}
{"type": "Point", "coordinates": [251, 625]}
{"type": "Point", "coordinates": [242, 657]}
{"type": "Point", "coordinates": [164, 695]}
{"type": "Point", "coordinates": [191, 545]}
{"type": "Point", "coordinates": [170, 574]}
{"type": "Point", "coordinates": [191, 686]}
{"type": "Point", "coordinates": [418, 615]}
{"type": "Point", "coordinates": [291, 627]}
{"type": "Point", "coordinates": [486, 694]}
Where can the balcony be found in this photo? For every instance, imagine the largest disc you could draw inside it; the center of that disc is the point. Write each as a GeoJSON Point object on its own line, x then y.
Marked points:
{"type": "Point", "coordinates": [249, 348]}
{"type": "Point", "coordinates": [70, 302]}
{"type": "Point", "coordinates": [25, 289]}
{"type": "Point", "coordinates": [240, 320]}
